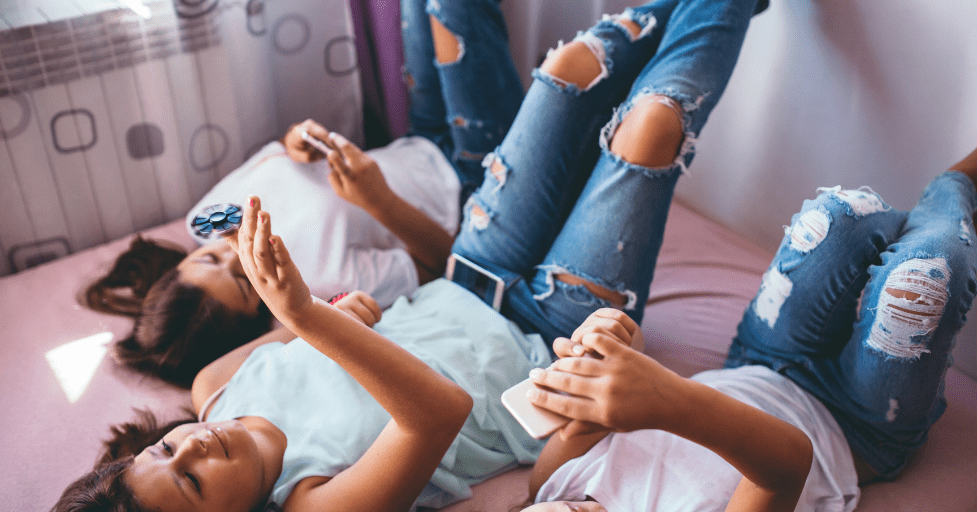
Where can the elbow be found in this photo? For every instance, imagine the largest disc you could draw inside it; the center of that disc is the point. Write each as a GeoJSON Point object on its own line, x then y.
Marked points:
{"type": "Point", "coordinates": [463, 406]}
{"type": "Point", "coordinates": [457, 406]}
{"type": "Point", "coordinates": [796, 472]}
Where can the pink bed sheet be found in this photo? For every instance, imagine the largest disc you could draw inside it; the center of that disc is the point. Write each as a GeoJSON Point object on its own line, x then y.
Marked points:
{"type": "Point", "coordinates": [706, 276]}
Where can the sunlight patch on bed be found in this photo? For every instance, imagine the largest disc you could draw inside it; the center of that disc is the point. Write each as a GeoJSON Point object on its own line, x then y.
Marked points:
{"type": "Point", "coordinates": [75, 362]}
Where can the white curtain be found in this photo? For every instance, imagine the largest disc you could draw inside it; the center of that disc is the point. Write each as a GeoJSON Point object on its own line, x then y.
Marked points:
{"type": "Point", "coordinates": [114, 122]}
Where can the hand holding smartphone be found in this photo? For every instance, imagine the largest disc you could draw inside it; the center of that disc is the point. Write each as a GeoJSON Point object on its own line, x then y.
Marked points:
{"type": "Point", "coordinates": [538, 422]}
{"type": "Point", "coordinates": [314, 142]}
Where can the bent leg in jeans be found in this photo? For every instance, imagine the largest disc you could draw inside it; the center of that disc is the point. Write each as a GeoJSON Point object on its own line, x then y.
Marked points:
{"type": "Point", "coordinates": [463, 84]}
{"type": "Point", "coordinates": [880, 372]}
{"type": "Point", "coordinates": [574, 204]}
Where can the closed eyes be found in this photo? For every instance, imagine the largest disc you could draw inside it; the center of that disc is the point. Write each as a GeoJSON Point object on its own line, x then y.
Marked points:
{"type": "Point", "coordinates": [168, 448]}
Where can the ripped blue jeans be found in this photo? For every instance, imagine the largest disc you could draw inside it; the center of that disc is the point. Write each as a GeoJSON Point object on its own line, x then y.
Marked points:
{"type": "Point", "coordinates": [555, 200]}
{"type": "Point", "coordinates": [465, 107]}
{"type": "Point", "coordinates": [878, 366]}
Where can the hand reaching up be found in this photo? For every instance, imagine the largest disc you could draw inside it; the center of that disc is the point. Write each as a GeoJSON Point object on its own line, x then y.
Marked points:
{"type": "Point", "coordinates": [268, 265]}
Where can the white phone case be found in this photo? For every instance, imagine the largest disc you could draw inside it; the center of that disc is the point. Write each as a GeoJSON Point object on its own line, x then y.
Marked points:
{"type": "Point", "coordinates": [538, 422]}
{"type": "Point", "coordinates": [314, 142]}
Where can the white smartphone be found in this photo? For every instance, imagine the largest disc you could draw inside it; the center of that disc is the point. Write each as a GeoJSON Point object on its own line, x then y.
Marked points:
{"type": "Point", "coordinates": [486, 285]}
{"type": "Point", "coordinates": [314, 142]}
{"type": "Point", "coordinates": [538, 422]}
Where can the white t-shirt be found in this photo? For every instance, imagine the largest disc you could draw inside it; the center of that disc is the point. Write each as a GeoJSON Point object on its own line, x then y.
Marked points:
{"type": "Point", "coordinates": [337, 246]}
{"type": "Point", "coordinates": [652, 470]}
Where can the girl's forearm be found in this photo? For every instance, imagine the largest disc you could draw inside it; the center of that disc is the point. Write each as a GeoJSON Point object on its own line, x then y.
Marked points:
{"type": "Point", "coordinates": [772, 454]}
{"type": "Point", "coordinates": [427, 242]}
{"type": "Point", "coordinates": [417, 397]}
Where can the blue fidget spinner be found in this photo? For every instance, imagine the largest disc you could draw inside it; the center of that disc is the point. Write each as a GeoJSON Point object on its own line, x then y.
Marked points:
{"type": "Point", "coordinates": [216, 220]}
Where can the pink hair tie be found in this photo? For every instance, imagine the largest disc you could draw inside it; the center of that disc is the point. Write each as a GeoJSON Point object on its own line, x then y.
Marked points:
{"type": "Point", "coordinates": [337, 298]}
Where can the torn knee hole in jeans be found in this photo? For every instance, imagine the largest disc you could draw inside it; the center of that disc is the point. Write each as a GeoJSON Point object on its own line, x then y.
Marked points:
{"type": "Point", "coordinates": [809, 229]}
{"type": "Point", "coordinates": [472, 157]}
{"type": "Point", "coordinates": [637, 25]}
{"type": "Point", "coordinates": [477, 217]}
{"type": "Point", "coordinates": [650, 131]}
{"type": "Point", "coordinates": [494, 164]}
{"type": "Point", "coordinates": [965, 230]}
{"type": "Point", "coordinates": [860, 202]}
{"type": "Point", "coordinates": [577, 66]}
{"type": "Point", "coordinates": [625, 300]}
{"type": "Point", "coordinates": [910, 307]}
{"type": "Point", "coordinates": [409, 79]}
{"type": "Point", "coordinates": [774, 291]}
{"type": "Point", "coordinates": [448, 48]}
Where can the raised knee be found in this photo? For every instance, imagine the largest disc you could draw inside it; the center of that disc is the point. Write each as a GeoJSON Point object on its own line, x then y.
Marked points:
{"type": "Point", "coordinates": [574, 63]}
{"type": "Point", "coordinates": [910, 307]}
{"type": "Point", "coordinates": [651, 133]}
{"type": "Point", "coordinates": [447, 47]}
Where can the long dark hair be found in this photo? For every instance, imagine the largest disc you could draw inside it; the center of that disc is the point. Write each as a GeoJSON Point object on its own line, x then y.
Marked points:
{"type": "Point", "coordinates": [104, 489]}
{"type": "Point", "coordinates": [178, 328]}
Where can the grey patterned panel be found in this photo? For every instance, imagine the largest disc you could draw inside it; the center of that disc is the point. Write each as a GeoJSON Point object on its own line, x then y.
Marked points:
{"type": "Point", "coordinates": [35, 56]}
{"type": "Point", "coordinates": [336, 66]}
{"type": "Point", "coordinates": [144, 140]}
{"type": "Point", "coordinates": [73, 130]}
{"type": "Point", "coordinates": [33, 254]}
{"type": "Point", "coordinates": [291, 34]}
{"type": "Point", "coordinates": [206, 139]}
{"type": "Point", "coordinates": [8, 127]}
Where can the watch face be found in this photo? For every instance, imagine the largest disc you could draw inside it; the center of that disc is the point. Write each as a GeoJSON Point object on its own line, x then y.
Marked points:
{"type": "Point", "coordinates": [216, 220]}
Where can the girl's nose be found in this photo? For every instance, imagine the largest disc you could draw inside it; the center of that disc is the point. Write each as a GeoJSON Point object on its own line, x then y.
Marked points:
{"type": "Point", "coordinates": [194, 445]}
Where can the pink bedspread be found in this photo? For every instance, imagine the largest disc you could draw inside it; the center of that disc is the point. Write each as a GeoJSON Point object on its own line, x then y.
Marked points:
{"type": "Point", "coordinates": [51, 425]}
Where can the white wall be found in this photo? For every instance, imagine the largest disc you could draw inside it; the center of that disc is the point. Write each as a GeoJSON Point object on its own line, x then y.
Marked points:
{"type": "Point", "coordinates": [826, 92]}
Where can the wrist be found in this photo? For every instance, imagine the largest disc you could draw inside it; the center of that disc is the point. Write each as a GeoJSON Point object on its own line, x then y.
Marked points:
{"type": "Point", "coordinates": [383, 204]}
{"type": "Point", "coordinates": [679, 399]}
{"type": "Point", "coordinates": [298, 317]}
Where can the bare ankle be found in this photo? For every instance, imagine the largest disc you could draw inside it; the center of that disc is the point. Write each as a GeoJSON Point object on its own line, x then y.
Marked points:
{"type": "Point", "coordinates": [968, 166]}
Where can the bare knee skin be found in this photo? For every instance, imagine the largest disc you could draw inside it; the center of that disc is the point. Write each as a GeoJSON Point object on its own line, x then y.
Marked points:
{"type": "Point", "coordinates": [650, 135]}
{"type": "Point", "coordinates": [573, 63]}
{"type": "Point", "coordinates": [911, 297]}
{"type": "Point", "coordinates": [447, 49]}
{"type": "Point", "coordinates": [609, 295]}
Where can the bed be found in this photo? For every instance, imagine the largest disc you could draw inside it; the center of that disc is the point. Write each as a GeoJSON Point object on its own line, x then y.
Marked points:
{"type": "Point", "coordinates": [61, 389]}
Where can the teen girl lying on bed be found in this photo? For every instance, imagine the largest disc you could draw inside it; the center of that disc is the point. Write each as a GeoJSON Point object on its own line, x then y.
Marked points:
{"type": "Point", "coordinates": [349, 228]}
{"type": "Point", "coordinates": [570, 215]}
{"type": "Point", "coordinates": [863, 383]}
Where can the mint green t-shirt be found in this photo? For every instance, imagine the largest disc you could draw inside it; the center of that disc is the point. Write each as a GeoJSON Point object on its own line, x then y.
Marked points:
{"type": "Point", "coordinates": [330, 420]}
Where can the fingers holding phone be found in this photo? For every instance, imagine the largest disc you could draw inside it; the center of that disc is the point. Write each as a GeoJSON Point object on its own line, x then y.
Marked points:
{"type": "Point", "coordinates": [299, 148]}
{"type": "Point", "coordinates": [624, 390]}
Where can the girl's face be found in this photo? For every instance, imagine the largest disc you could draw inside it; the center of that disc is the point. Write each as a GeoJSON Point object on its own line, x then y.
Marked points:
{"type": "Point", "coordinates": [216, 269]}
{"type": "Point", "coordinates": [201, 467]}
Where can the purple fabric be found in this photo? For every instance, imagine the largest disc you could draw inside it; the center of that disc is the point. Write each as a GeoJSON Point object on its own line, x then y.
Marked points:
{"type": "Point", "coordinates": [381, 58]}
